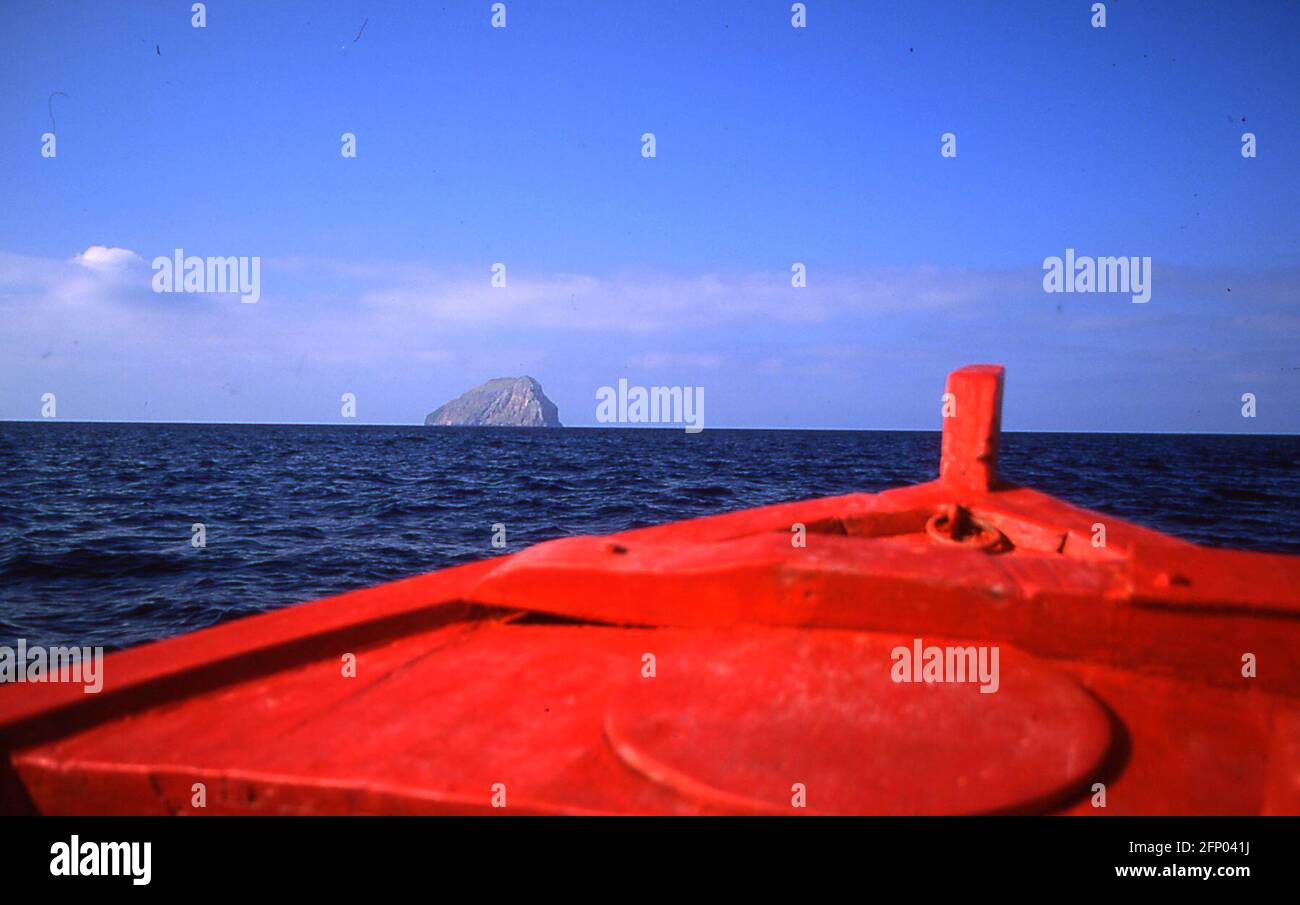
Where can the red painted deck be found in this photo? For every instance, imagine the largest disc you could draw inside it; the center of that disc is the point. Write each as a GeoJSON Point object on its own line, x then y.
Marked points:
{"type": "Point", "coordinates": [525, 676]}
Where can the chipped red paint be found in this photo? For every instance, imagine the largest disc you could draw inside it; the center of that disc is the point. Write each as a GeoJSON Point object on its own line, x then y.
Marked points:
{"type": "Point", "coordinates": [716, 666]}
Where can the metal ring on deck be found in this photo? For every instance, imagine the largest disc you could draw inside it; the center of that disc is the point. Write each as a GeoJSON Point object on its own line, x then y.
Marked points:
{"type": "Point", "coordinates": [954, 524]}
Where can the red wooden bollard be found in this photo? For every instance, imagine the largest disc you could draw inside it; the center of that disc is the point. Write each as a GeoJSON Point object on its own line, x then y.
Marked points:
{"type": "Point", "coordinates": [972, 426]}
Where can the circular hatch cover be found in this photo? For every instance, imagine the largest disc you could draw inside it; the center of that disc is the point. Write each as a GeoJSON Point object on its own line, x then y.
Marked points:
{"type": "Point", "coordinates": [738, 720]}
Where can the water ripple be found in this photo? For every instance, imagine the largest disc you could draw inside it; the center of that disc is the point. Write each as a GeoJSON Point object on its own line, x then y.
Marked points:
{"type": "Point", "coordinates": [95, 520]}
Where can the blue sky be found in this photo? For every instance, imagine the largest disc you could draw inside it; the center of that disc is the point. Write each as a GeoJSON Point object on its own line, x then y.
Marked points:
{"type": "Point", "coordinates": [775, 145]}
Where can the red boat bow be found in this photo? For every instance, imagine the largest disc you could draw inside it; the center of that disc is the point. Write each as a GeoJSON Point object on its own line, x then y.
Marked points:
{"type": "Point", "coordinates": [796, 658]}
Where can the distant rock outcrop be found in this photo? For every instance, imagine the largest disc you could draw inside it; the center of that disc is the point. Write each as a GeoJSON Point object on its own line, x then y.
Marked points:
{"type": "Point", "coordinates": [503, 402]}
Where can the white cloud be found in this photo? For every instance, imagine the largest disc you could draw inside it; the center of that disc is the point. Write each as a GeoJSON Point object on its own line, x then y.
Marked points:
{"type": "Point", "coordinates": [90, 322]}
{"type": "Point", "coordinates": [647, 303]}
{"type": "Point", "coordinates": [658, 359]}
{"type": "Point", "coordinates": [102, 258]}
{"type": "Point", "coordinates": [336, 313]}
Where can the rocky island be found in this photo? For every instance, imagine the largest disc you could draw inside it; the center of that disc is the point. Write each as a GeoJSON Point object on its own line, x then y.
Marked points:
{"type": "Point", "coordinates": [503, 402]}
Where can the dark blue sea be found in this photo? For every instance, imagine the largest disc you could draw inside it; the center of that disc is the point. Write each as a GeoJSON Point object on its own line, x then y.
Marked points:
{"type": "Point", "coordinates": [95, 519]}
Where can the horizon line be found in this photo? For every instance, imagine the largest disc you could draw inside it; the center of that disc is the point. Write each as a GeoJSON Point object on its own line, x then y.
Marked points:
{"type": "Point", "coordinates": [624, 427]}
